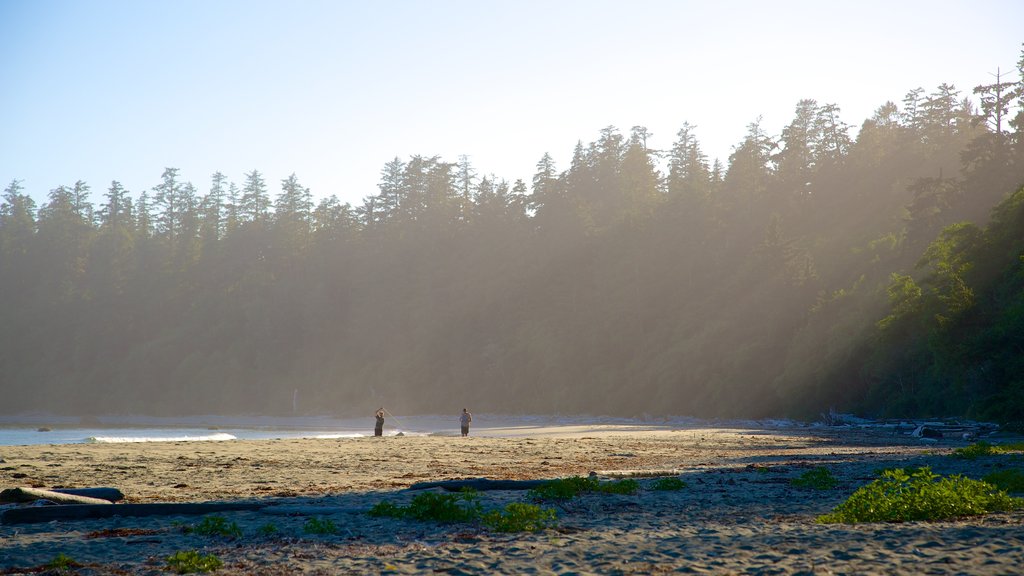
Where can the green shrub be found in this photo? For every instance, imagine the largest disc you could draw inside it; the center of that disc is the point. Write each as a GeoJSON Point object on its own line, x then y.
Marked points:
{"type": "Point", "coordinates": [982, 448]}
{"type": "Point", "coordinates": [573, 486]}
{"type": "Point", "coordinates": [563, 488]}
{"type": "Point", "coordinates": [320, 526]}
{"type": "Point", "coordinates": [520, 517]}
{"type": "Point", "coordinates": [461, 507]}
{"type": "Point", "coordinates": [192, 562]}
{"type": "Point", "coordinates": [216, 526]}
{"type": "Point", "coordinates": [267, 529]}
{"type": "Point", "coordinates": [901, 495]}
{"type": "Point", "coordinates": [62, 562]}
{"type": "Point", "coordinates": [670, 483]}
{"type": "Point", "coordinates": [976, 450]}
{"type": "Point", "coordinates": [1010, 480]}
{"type": "Point", "coordinates": [819, 478]}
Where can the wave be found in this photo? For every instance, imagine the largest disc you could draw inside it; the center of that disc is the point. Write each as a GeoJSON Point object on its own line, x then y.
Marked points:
{"type": "Point", "coordinates": [219, 437]}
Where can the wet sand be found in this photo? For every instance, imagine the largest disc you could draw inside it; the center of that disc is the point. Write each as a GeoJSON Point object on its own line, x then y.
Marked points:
{"type": "Point", "coordinates": [738, 514]}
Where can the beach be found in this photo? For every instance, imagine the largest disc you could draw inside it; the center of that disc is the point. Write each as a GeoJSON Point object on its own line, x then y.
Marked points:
{"type": "Point", "coordinates": [739, 512]}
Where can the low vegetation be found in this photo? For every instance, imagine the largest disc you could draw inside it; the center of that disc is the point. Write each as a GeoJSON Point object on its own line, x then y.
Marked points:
{"type": "Point", "coordinates": [192, 562]}
{"type": "Point", "coordinates": [215, 526]}
{"type": "Point", "coordinates": [568, 488]}
{"type": "Point", "coordinates": [819, 478]}
{"type": "Point", "coordinates": [1010, 480]}
{"type": "Point", "coordinates": [520, 517]}
{"type": "Point", "coordinates": [62, 562]}
{"type": "Point", "coordinates": [668, 483]}
{"type": "Point", "coordinates": [465, 507]}
{"type": "Point", "coordinates": [981, 448]}
{"type": "Point", "coordinates": [320, 526]}
{"type": "Point", "coordinates": [900, 495]}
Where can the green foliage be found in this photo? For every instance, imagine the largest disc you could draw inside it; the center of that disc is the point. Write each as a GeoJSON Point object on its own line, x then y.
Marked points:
{"type": "Point", "coordinates": [901, 495]}
{"type": "Point", "coordinates": [267, 529]}
{"type": "Point", "coordinates": [982, 448]}
{"type": "Point", "coordinates": [573, 486]}
{"type": "Point", "coordinates": [520, 517]}
{"type": "Point", "coordinates": [192, 562]}
{"type": "Point", "coordinates": [320, 526]}
{"type": "Point", "coordinates": [668, 483]}
{"type": "Point", "coordinates": [436, 507]}
{"type": "Point", "coordinates": [1009, 480]}
{"type": "Point", "coordinates": [819, 478]}
{"type": "Point", "coordinates": [62, 562]}
{"type": "Point", "coordinates": [216, 526]}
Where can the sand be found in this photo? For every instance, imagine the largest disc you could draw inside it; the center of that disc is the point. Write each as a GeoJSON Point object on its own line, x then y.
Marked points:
{"type": "Point", "coordinates": [738, 514]}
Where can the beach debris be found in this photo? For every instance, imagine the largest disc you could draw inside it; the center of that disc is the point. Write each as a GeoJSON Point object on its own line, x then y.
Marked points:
{"type": "Point", "coordinates": [20, 495]}
{"type": "Point", "coordinates": [479, 484]}
{"type": "Point", "coordinates": [108, 510]}
{"type": "Point", "coordinates": [654, 473]}
{"type": "Point", "coordinates": [934, 429]}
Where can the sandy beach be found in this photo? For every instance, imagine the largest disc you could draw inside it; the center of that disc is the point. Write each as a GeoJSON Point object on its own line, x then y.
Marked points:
{"type": "Point", "coordinates": [738, 514]}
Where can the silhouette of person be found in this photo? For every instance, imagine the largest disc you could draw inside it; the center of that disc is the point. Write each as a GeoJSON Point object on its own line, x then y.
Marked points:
{"type": "Point", "coordinates": [465, 419]}
{"type": "Point", "coordinates": [378, 430]}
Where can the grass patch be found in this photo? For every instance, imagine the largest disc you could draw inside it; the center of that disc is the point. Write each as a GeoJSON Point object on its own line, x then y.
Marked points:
{"type": "Point", "coordinates": [216, 526]}
{"type": "Point", "coordinates": [909, 495]}
{"type": "Point", "coordinates": [62, 562]}
{"type": "Point", "coordinates": [1010, 480]}
{"type": "Point", "coordinates": [463, 506]}
{"type": "Point", "coordinates": [520, 517]}
{"type": "Point", "coordinates": [320, 526]}
{"type": "Point", "coordinates": [819, 478]}
{"type": "Point", "coordinates": [573, 486]}
{"type": "Point", "coordinates": [669, 483]}
{"type": "Point", "coordinates": [192, 562]}
{"type": "Point", "coordinates": [267, 529]}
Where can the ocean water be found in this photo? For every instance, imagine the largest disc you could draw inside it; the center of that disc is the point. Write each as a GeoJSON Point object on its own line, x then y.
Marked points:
{"type": "Point", "coordinates": [45, 429]}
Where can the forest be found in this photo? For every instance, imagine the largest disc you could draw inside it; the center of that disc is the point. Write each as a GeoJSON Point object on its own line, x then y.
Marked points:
{"type": "Point", "coordinates": [877, 270]}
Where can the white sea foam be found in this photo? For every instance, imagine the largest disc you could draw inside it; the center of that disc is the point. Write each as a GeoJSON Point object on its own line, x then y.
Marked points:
{"type": "Point", "coordinates": [219, 437]}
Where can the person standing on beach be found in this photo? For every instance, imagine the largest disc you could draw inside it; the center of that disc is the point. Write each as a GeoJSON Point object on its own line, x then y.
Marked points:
{"type": "Point", "coordinates": [378, 430]}
{"type": "Point", "coordinates": [465, 419]}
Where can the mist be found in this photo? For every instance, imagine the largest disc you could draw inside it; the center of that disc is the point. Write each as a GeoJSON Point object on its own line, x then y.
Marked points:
{"type": "Point", "coordinates": [631, 281]}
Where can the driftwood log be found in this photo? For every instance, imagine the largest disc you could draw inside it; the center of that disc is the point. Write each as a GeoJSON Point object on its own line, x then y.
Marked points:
{"type": "Point", "coordinates": [637, 473]}
{"type": "Point", "coordinates": [479, 484]}
{"type": "Point", "coordinates": [107, 510]}
{"type": "Point", "coordinates": [19, 495]}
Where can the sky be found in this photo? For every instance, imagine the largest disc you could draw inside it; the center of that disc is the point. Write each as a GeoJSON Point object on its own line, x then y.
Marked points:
{"type": "Point", "coordinates": [103, 90]}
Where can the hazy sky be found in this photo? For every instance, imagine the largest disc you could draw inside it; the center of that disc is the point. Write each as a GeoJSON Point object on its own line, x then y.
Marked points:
{"type": "Point", "coordinates": [100, 90]}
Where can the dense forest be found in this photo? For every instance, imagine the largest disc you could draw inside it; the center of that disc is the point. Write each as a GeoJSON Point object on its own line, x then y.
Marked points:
{"type": "Point", "coordinates": [877, 270]}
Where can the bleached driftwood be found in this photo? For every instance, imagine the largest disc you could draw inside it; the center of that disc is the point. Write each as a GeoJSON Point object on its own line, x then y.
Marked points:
{"type": "Point", "coordinates": [108, 510]}
{"type": "Point", "coordinates": [19, 495]}
{"type": "Point", "coordinates": [479, 484]}
{"type": "Point", "coordinates": [110, 494]}
{"type": "Point", "coordinates": [637, 473]}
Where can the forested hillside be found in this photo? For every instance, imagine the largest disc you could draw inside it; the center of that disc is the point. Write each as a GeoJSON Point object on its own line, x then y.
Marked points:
{"type": "Point", "coordinates": [828, 265]}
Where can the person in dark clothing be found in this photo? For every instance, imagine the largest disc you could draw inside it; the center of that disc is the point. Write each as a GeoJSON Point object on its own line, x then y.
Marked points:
{"type": "Point", "coordinates": [378, 430]}
{"type": "Point", "coordinates": [465, 419]}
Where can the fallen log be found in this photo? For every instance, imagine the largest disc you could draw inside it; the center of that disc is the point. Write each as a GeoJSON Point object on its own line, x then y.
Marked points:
{"type": "Point", "coordinates": [637, 473]}
{"type": "Point", "coordinates": [19, 495]}
{"type": "Point", "coordinates": [109, 494]}
{"type": "Point", "coordinates": [479, 484]}
{"type": "Point", "coordinates": [89, 511]}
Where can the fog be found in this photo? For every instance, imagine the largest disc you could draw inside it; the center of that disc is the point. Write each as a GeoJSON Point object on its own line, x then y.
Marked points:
{"type": "Point", "coordinates": [630, 281]}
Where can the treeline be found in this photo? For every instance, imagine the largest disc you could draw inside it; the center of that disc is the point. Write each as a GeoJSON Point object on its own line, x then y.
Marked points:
{"type": "Point", "coordinates": [632, 281]}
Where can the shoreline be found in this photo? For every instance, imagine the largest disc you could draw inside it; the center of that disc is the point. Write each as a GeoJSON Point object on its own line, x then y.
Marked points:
{"type": "Point", "coordinates": [738, 513]}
